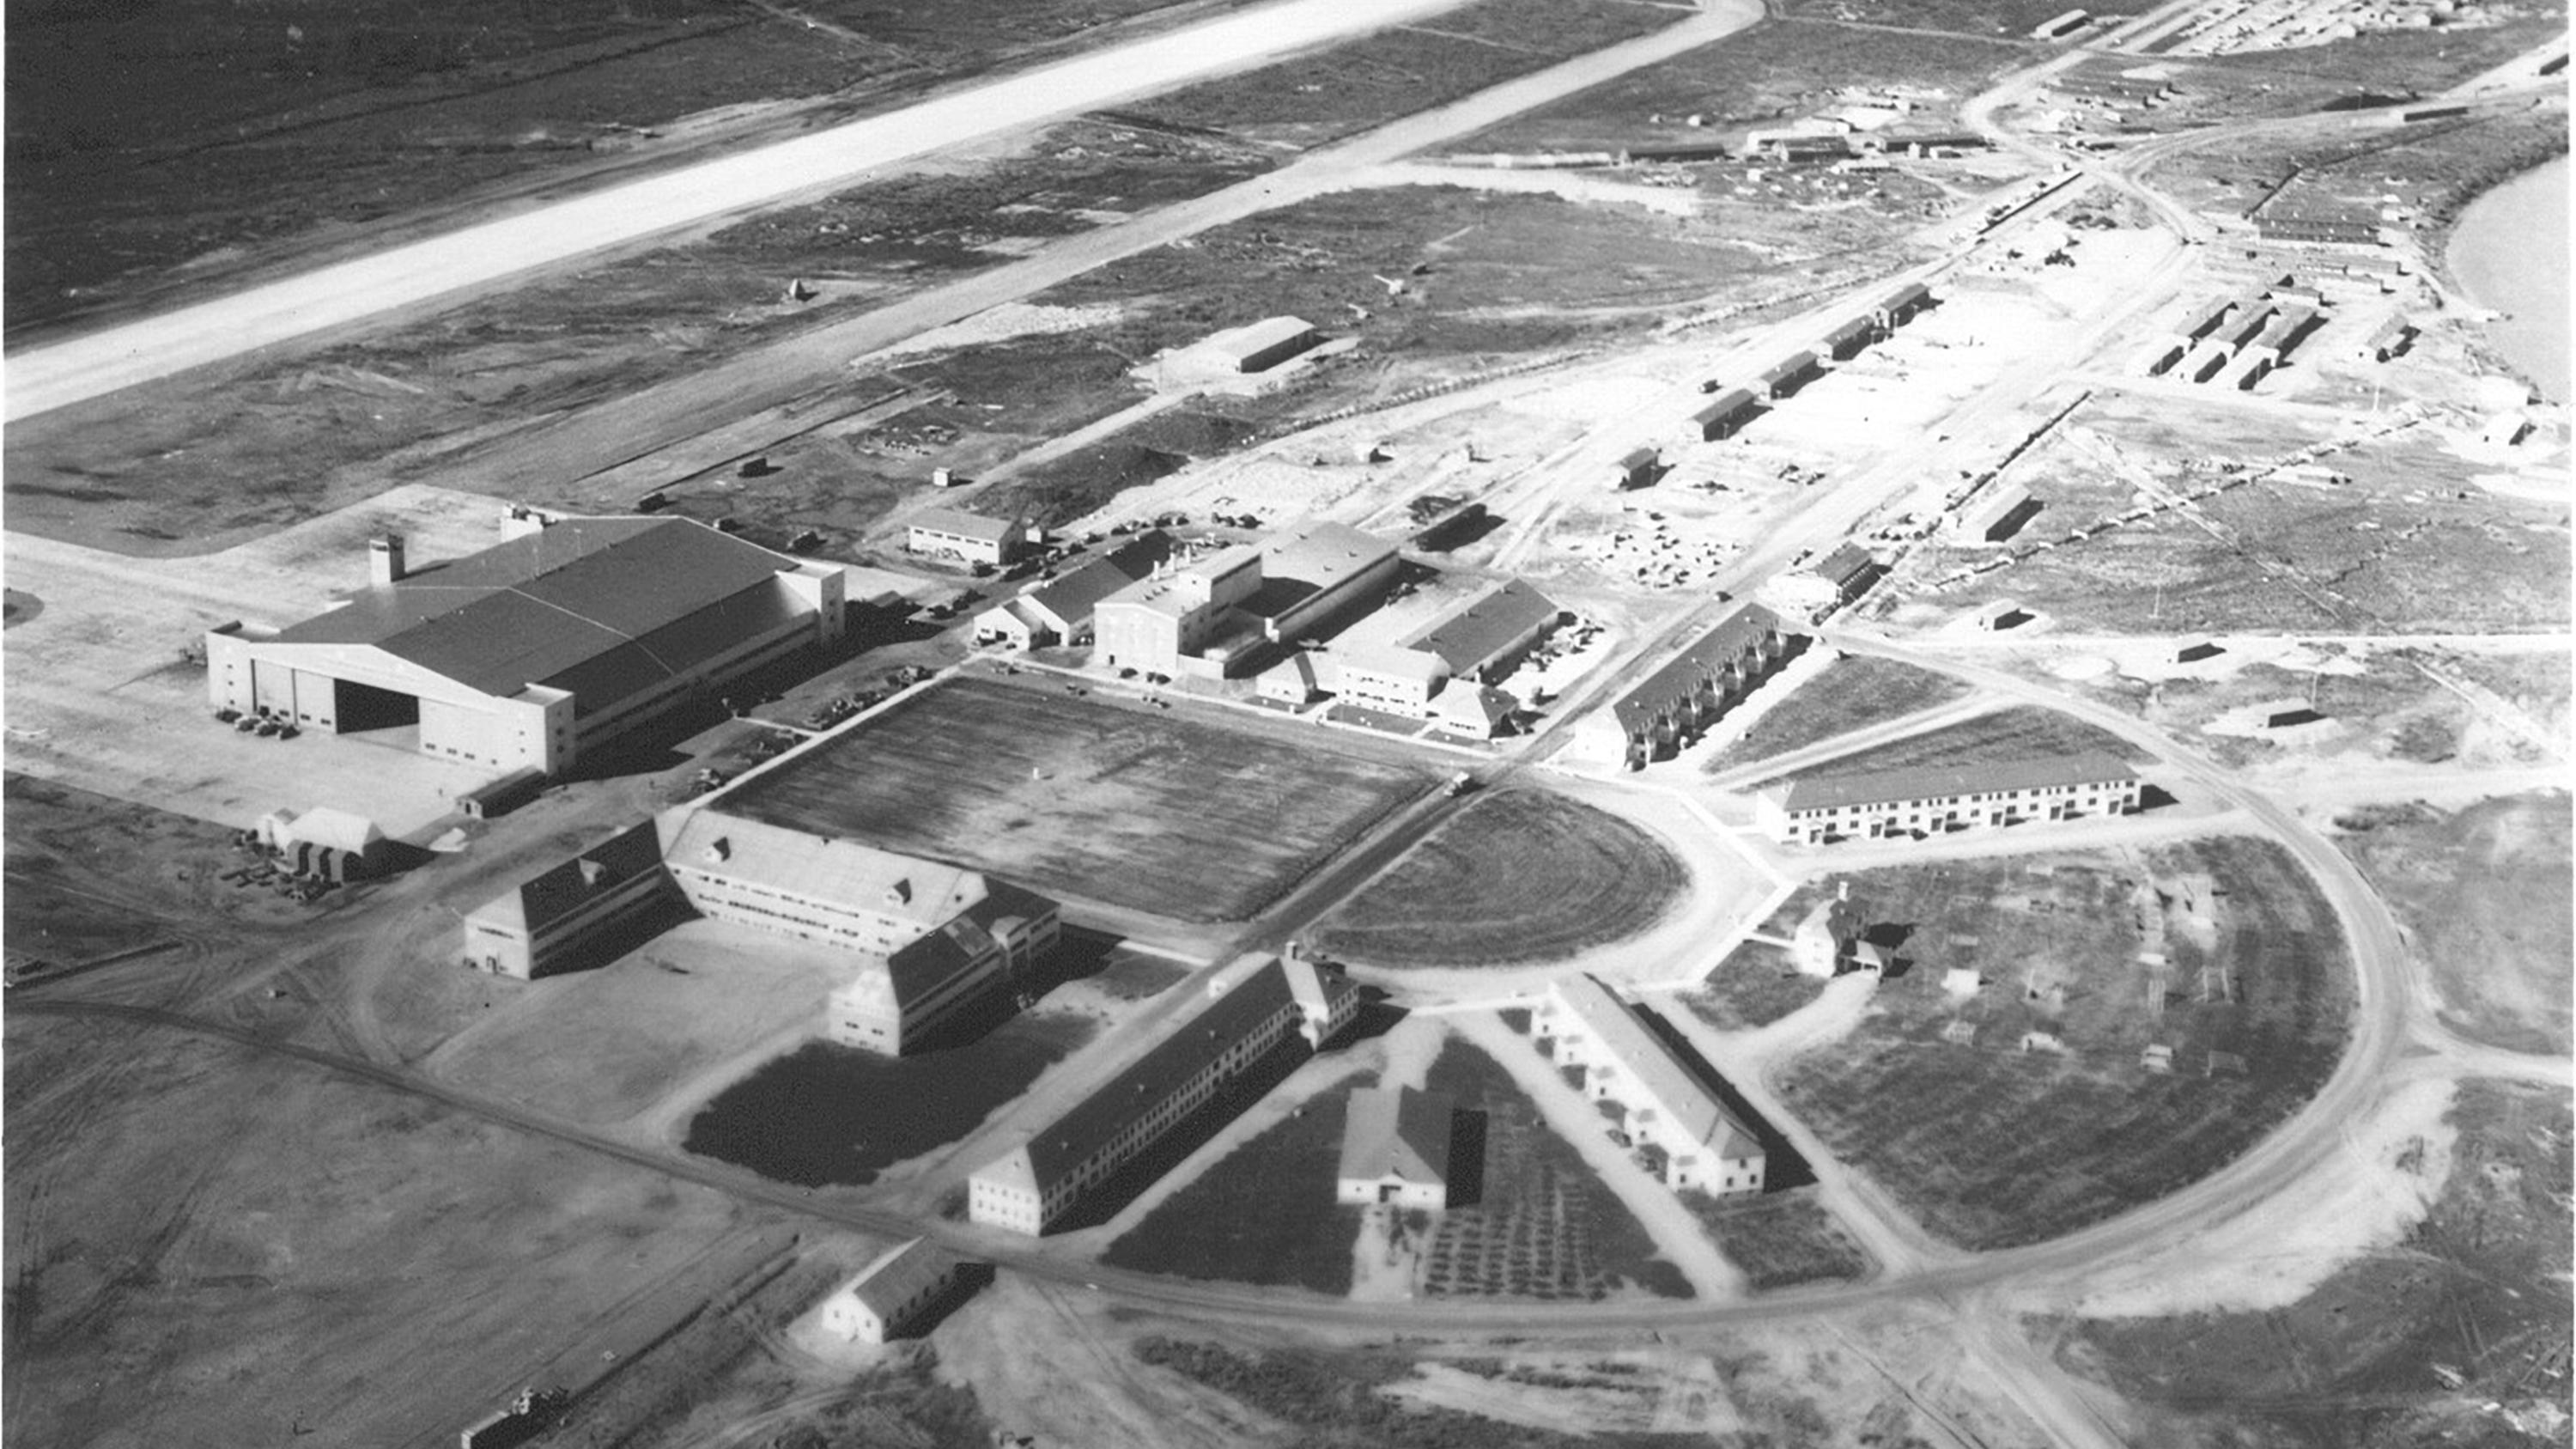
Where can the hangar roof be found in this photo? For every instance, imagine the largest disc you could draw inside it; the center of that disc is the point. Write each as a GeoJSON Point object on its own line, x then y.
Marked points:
{"type": "Point", "coordinates": [601, 607]}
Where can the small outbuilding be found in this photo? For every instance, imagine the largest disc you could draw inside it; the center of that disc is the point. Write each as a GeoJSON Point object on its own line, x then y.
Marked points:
{"type": "Point", "coordinates": [1635, 468]}
{"type": "Point", "coordinates": [891, 1294]}
{"type": "Point", "coordinates": [1396, 1148]}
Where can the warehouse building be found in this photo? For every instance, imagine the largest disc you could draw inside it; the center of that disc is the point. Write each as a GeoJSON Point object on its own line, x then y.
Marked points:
{"type": "Point", "coordinates": [539, 649]}
{"type": "Point", "coordinates": [555, 917]}
{"type": "Point", "coordinates": [1060, 611]}
{"type": "Point", "coordinates": [1036, 1185]}
{"type": "Point", "coordinates": [1396, 1148]}
{"type": "Point", "coordinates": [1486, 637]}
{"type": "Point", "coordinates": [1845, 339]}
{"type": "Point", "coordinates": [967, 537]}
{"type": "Point", "coordinates": [1214, 617]}
{"type": "Point", "coordinates": [1998, 513]}
{"type": "Point", "coordinates": [1672, 706]}
{"type": "Point", "coordinates": [890, 1294]}
{"type": "Point", "coordinates": [1664, 1104]}
{"type": "Point", "coordinates": [1260, 346]}
{"type": "Point", "coordinates": [1932, 799]}
{"type": "Point", "coordinates": [1724, 415]}
{"type": "Point", "coordinates": [1787, 375]}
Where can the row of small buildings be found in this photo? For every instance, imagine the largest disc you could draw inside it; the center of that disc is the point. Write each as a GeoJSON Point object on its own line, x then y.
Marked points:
{"type": "Point", "coordinates": [2236, 341]}
{"type": "Point", "coordinates": [1729, 409]}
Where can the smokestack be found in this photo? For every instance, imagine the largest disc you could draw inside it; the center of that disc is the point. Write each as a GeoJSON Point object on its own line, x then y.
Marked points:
{"type": "Point", "coordinates": [385, 559]}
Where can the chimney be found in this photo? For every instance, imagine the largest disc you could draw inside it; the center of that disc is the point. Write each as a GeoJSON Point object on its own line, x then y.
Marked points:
{"type": "Point", "coordinates": [385, 559]}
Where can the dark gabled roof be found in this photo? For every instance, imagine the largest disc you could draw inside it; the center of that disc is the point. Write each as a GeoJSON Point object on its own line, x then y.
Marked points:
{"type": "Point", "coordinates": [1398, 1133]}
{"type": "Point", "coordinates": [899, 1275]}
{"type": "Point", "coordinates": [1723, 406]}
{"type": "Point", "coordinates": [1073, 595]}
{"type": "Point", "coordinates": [558, 892]}
{"type": "Point", "coordinates": [1080, 1134]}
{"type": "Point", "coordinates": [1855, 327]}
{"type": "Point", "coordinates": [1495, 619]}
{"type": "Point", "coordinates": [932, 960]}
{"type": "Point", "coordinates": [1793, 365]}
{"type": "Point", "coordinates": [1921, 782]}
{"type": "Point", "coordinates": [601, 607]}
{"type": "Point", "coordinates": [1688, 671]}
{"type": "Point", "coordinates": [1844, 564]}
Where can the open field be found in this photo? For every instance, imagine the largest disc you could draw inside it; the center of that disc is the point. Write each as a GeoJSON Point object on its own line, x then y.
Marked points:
{"type": "Point", "coordinates": [2477, 1290]}
{"type": "Point", "coordinates": [317, 431]}
{"type": "Point", "coordinates": [1754, 986]}
{"type": "Point", "coordinates": [1780, 1238]}
{"type": "Point", "coordinates": [280, 1251]}
{"type": "Point", "coordinates": [2379, 67]}
{"type": "Point", "coordinates": [830, 1114]}
{"type": "Point", "coordinates": [1341, 1401]}
{"type": "Point", "coordinates": [1517, 877]}
{"type": "Point", "coordinates": [1114, 803]}
{"type": "Point", "coordinates": [2009, 19]}
{"type": "Point", "coordinates": [1322, 97]}
{"type": "Point", "coordinates": [2020, 732]}
{"type": "Point", "coordinates": [1542, 1227]}
{"type": "Point", "coordinates": [1853, 693]}
{"type": "Point", "coordinates": [2023, 1107]}
{"type": "Point", "coordinates": [90, 877]}
{"type": "Point", "coordinates": [1264, 1214]}
{"type": "Point", "coordinates": [601, 1046]}
{"type": "Point", "coordinates": [2483, 895]}
{"type": "Point", "coordinates": [1775, 70]}
{"type": "Point", "coordinates": [2405, 545]}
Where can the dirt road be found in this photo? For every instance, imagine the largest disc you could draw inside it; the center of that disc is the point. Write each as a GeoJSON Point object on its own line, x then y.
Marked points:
{"type": "Point", "coordinates": [408, 276]}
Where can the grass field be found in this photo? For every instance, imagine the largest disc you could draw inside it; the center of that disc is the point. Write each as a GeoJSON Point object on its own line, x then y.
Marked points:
{"type": "Point", "coordinates": [2483, 895]}
{"type": "Point", "coordinates": [1852, 693]}
{"type": "Point", "coordinates": [1139, 808]}
{"type": "Point", "coordinates": [1752, 78]}
{"type": "Point", "coordinates": [1780, 1238]}
{"type": "Point", "coordinates": [1543, 1228]}
{"type": "Point", "coordinates": [2479, 1286]}
{"type": "Point", "coordinates": [1265, 1214]}
{"type": "Point", "coordinates": [2011, 734]}
{"type": "Point", "coordinates": [313, 116]}
{"type": "Point", "coordinates": [1517, 877]}
{"type": "Point", "coordinates": [1993, 1144]}
{"type": "Point", "coordinates": [1349, 88]}
{"type": "Point", "coordinates": [1754, 986]}
{"type": "Point", "coordinates": [1336, 1400]}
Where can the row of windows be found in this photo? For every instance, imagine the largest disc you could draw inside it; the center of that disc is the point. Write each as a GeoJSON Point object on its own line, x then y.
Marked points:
{"type": "Point", "coordinates": [1929, 802]}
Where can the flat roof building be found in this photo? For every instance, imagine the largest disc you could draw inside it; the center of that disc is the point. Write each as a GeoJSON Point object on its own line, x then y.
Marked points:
{"type": "Point", "coordinates": [1258, 346]}
{"type": "Point", "coordinates": [1037, 1184]}
{"type": "Point", "coordinates": [1208, 618]}
{"type": "Point", "coordinates": [1396, 1147]}
{"type": "Point", "coordinates": [970, 537]}
{"type": "Point", "coordinates": [528, 654]}
{"type": "Point", "coordinates": [1665, 1104]}
{"type": "Point", "coordinates": [1814, 810]}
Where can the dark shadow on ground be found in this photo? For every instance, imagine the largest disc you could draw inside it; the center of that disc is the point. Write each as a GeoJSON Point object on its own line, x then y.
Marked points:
{"type": "Point", "coordinates": [1783, 1167]}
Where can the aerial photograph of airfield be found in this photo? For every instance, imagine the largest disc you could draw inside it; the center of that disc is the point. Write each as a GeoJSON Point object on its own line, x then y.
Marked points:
{"type": "Point", "coordinates": [772, 724]}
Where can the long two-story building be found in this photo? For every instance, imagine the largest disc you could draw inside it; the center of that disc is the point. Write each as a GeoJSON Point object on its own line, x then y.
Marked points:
{"type": "Point", "coordinates": [1664, 1103]}
{"type": "Point", "coordinates": [1674, 705]}
{"type": "Point", "coordinates": [1036, 1185]}
{"type": "Point", "coordinates": [1934, 799]}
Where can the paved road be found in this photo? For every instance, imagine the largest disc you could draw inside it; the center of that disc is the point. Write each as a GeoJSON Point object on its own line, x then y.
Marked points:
{"type": "Point", "coordinates": [408, 276]}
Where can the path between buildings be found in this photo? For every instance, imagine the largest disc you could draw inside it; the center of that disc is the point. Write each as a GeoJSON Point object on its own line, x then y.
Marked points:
{"type": "Point", "coordinates": [1675, 1229]}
